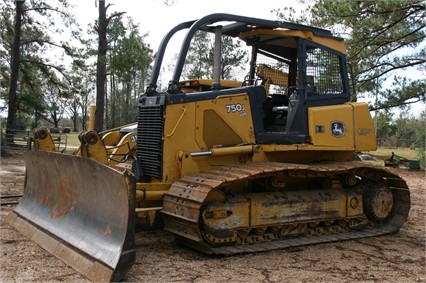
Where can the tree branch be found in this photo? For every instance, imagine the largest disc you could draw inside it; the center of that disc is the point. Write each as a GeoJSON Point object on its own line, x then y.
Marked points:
{"type": "Point", "coordinates": [114, 16]}
{"type": "Point", "coordinates": [393, 68]}
{"type": "Point", "coordinates": [45, 8]}
{"type": "Point", "coordinates": [50, 66]}
{"type": "Point", "coordinates": [392, 105]}
{"type": "Point", "coordinates": [366, 41]}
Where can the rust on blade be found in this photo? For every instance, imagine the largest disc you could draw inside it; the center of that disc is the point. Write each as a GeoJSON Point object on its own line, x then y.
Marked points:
{"type": "Point", "coordinates": [80, 211]}
{"type": "Point", "coordinates": [60, 194]}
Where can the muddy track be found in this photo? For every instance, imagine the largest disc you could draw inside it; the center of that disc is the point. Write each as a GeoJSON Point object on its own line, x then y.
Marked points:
{"type": "Point", "coordinates": [183, 204]}
{"type": "Point", "coordinates": [398, 257]}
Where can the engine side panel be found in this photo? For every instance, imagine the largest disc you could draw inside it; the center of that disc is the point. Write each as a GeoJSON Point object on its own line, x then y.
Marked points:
{"type": "Point", "coordinates": [342, 126]}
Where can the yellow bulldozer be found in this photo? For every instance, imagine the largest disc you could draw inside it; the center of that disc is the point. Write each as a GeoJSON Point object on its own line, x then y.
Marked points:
{"type": "Point", "coordinates": [253, 166]}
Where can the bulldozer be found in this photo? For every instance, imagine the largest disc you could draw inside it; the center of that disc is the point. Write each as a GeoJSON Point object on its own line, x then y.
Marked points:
{"type": "Point", "coordinates": [255, 166]}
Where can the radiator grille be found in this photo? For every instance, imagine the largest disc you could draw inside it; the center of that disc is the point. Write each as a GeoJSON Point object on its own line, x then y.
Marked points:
{"type": "Point", "coordinates": [150, 135]}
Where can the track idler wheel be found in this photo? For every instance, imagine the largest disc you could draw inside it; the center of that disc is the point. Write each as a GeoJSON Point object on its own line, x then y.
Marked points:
{"type": "Point", "coordinates": [90, 137]}
{"type": "Point", "coordinates": [41, 133]}
{"type": "Point", "coordinates": [378, 202]}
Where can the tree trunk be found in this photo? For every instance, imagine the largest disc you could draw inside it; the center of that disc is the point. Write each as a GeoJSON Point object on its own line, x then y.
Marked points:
{"type": "Point", "coordinates": [74, 123]}
{"type": "Point", "coordinates": [112, 101]}
{"type": "Point", "coordinates": [14, 76]}
{"type": "Point", "coordinates": [101, 70]}
{"type": "Point", "coordinates": [84, 107]}
{"type": "Point", "coordinates": [74, 116]}
{"type": "Point", "coordinates": [37, 118]}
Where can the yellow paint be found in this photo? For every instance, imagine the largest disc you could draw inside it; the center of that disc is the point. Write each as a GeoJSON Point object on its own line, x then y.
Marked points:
{"type": "Point", "coordinates": [125, 147]}
{"type": "Point", "coordinates": [92, 117]}
{"type": "Point", "coordinates": [96, 150]}
{"type": "Point", "coordinates": [331, 43]}
{"type": "Point", "coordinates": [357, 133]}
{"type": "Point", "coordinates": [323, 128]}
{"type": "Point", "coordinates": [365, 135]}
{"type": "Point", "coordinates": [177, 123]}
{"type": "Point", "coordinates": [43, 140]}
{"type": "Point", "coordinates": [219, 125]}
{"type": "Point", "coordinates": [271, 76]}
{"type": "Point", "coordinates": [224, 121]}
{"type": "Point", "coordinates": [111, 138]}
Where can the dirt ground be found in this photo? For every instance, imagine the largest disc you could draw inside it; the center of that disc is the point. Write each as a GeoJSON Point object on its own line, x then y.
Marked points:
{"type": "Point", "coordinates": [398, 257]}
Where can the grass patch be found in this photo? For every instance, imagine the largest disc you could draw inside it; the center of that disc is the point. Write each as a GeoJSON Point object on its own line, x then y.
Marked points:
{"type": "Point", "coordinates": [72, 140]}
{"type": "Point", "coordinates": [385, 153]}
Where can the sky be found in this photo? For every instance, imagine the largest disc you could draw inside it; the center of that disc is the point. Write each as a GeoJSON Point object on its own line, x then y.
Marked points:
{"type": "Point", "coordinates": [157, 18]}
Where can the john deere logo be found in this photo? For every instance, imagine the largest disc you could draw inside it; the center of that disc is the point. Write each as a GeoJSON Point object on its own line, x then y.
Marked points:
{"type": "Point", "coordinates": [337, 129]}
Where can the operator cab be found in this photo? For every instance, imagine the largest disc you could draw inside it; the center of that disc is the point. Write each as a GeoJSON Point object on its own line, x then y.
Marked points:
{"type": "Point", "coordinates": [298, 70]}
{"type": "Point", "coordinates": [292, 67]}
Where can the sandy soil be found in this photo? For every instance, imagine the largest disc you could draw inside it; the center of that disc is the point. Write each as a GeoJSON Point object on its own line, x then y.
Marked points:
{"type": "Point", "coordinates": [398, 257]}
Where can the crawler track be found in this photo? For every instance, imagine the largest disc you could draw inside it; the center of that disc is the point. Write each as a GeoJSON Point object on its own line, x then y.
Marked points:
{"type": "Point", "coordinates": [184, 201]}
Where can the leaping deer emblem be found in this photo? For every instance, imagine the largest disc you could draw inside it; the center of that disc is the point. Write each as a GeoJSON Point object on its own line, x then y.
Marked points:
{"type": "Point", "coordinates": [337, 129]}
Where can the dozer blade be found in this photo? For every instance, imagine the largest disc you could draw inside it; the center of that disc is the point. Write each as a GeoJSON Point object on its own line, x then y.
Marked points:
{"type": "Point", "coordinates": [80, 211]}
